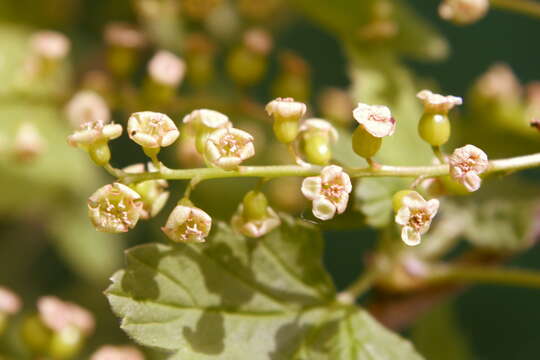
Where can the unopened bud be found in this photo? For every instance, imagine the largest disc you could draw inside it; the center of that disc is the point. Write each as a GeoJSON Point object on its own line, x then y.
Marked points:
{"type": "Point", "coordinates": [227, 148]}
{"type": "Point", "coordinates": [187, 224]}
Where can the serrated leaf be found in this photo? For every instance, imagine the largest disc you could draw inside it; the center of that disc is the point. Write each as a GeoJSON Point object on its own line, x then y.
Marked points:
{"type": "Point", "coordinates": [239, 298]}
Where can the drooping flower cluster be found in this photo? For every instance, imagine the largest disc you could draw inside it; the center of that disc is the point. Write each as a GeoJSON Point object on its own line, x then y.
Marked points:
{"type": "Point", "coordinates": [466, 164]}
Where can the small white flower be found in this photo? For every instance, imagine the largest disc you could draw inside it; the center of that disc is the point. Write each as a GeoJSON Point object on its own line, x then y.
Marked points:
{"type": "Point", "coordinates": [436, 103]}
{"type": "Point", "coordinates": [109, 352]}
{"type": "Point", "coordinates": [376, 119]}
{"type": "Point", "coordinates": [466, 164]}
{"type": "Point", "coordinates": [124, 35]}
{"type": "Point", "coordinates": [187, 224]}
{"type": "Point", "coordinates": [87, 106]}
{"type": "Point", "coordinates": [9, 302]}
{"type": "Point", "coordinates": [114, 208]}
{"type": "Point", "coordinates": [463, 11]}
{"type": "Point", "coordinates": [286, 109]}
{"type": "Point", "coordinates": [207, 118]}
{"type": "Point", "coordinates": [152, 129]}
{"type": "Point", "coordinates": [50, 44]}
{"type": "Point", "coordinates": [28, 143]}
{"type": "Point", "coordinates": [95, 132]}
{"type": "Point", "coordinates": [255, 228]}
{"type": "Point", "coordinates": [258, 40]}
{"type": "Point", "coordinates": [320, 125]}
{"type": "Point", "coordinates": [415, 216]}
{"type": "Point", "coordinates": [329, 192]}
{"type": "Point", "coordinates": [227, 148]}
{"type": "Point", "coordinates": [59, 315]}
{"type": "Point", "coordinates": [153, 193]}
{"type": "Point", "coordinates": [167, 69]}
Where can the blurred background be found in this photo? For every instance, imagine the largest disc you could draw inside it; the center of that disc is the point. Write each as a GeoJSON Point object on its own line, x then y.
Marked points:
{"type": "Point", "coordinates": [47, 244]}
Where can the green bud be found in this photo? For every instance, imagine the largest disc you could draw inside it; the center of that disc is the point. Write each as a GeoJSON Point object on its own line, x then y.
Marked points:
{"type": "Point", "coordinates": [246, 67]}
{"type": "Point", "coordinates": [316, 148]}
{"type": "Point", "coordinates": [35, 335]}
{"type": "Point", "coordinates": [100, 153]}
{"type": "Point", "coordinates": [397, 199]}
{"type": "Point", "coordinates": [255, 206]}
{"type": "Point", "coordinates": [66, 344]}
{"type": "Point", "coordinates": [286, 130]}
{"type": "Point", "coordinates": [434, 128]}
{"type": "Point", "coordinates": [365, 144]}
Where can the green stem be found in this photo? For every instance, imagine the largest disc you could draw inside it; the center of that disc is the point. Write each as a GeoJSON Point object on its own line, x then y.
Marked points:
{"type": "Point", "coordinates": [439, 154]}
{"type": "Point", "coordinates": [525, 7]}
{"type": "Point", "coordinates": [358, 287]}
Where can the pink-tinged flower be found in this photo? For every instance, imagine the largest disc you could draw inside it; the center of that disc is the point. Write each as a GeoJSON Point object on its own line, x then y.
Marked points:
{"type": "Point", "coordinates": [10, 303]}
{"type": "Point", "coordinates": [154, 194]}
{"type": "Point", "coordinates": [376, 119]}
{"type": "Point", "coordinates": [95, 132]}
{"type": "Point", "coordinates": [255, 228]}
{"type": "Point", "coordinates": [152, 130]}
{"type": "Point", "coordinates": [415, 216]}
{"type": "Point", "coordinates": [463, 11]}
{"type": "Point", "coordinates": [114, 208]}
{"type": "Point", "coordinates": [109, 352]}
{"type": "Point", "coordinates": [28, 143]}
{"type": "Point", "coordinates": [50, 44]}
{"type": "Point", "coordinates": [329, 192]}
{"type": "Point", "coordinates": [187, 224]}
{"type": "Point", "coordinates": [466, 164]}
{"type": "Point", "coordinates": [286, 109]}
{"type": "Point", "coordinates": [499, 83]}
{"type": "Point", "coordinates": [59, 315]}
{"type": "Point", "coordinates": [320, 126]}
{"type": "Point", "coordinates": [166, 68]}
{"type": "Point", "coordinates": [436, 103]}
{"type": "Point", "coordinates": [124, 35]}
{"type": "Point", "coordinates": [259, 41]}
{"type": "Point", "coordinates": [87, 107]}
{"type": "Point", "coordinates": [207, 118]}
{"type": "Point", "coordinates": [227, 148]}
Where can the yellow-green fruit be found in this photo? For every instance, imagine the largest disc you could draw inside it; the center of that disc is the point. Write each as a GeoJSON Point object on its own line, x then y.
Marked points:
{"type": "Point", "coordinates": [434, 128]}
{"type": "Point", "coordinates": [365, 144]}
{"type": "Point", "coordinates": [452, 187]}
{"type": "Point", "coordinates": [255, 206]}
{"type": "Point", "coordinates": [246, 67]}
{"type": "Point", "coordinates": [317, 148]}
{"type": "Point", "coordinates": [35, 335]}
{"type": "Point", "coordinates": [397, 199]}
{"type": "Point", "coordinates": [65, 344]}
{"type": "Point", "coordinates": [286, 130]}
{"type": "Point", "coordinates": [100, 154]}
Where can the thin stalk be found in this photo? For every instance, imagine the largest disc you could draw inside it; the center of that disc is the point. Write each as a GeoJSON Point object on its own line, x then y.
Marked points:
{"type": "Point", "coordinates": [362, 284]}
{"type": "Point", "coordinates": [525, 7]}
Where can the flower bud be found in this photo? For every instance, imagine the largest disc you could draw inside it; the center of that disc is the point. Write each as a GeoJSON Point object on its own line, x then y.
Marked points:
{"type": "Point", "coordinates": [329, 192]}
{"type": "Point", "coordinates": [466, 164]}
{"type": "Point", "coordinates": [187, 224]}
{"type": "Point", "coordinates": [28, 144]}
{"type": "Point", "coordinates": [87, 107]}
{"type": "Point", "coordinates": [109, 352]}
{"type": "Point", "coordinates": [463, 12]}
{"type": "Point", "coordinates": [153, 192]}
{"type": "Point", "coordinates": [227, 148]}
{"type": "Point", "coordinates": [434, 126]}
{"type": "Point", "coordinates": [114, 208]}
{"type": "Point", "coordinates": [317, 135]}
{"type": "Point", "coordinates": [152, 129]}
{"type": "Point", "coordinates": [167, 69]}
{"type": "Point", "coordinates": [287, 114]}
{"type": "Point", "coordinates": [415, 216]}
{"type": "Point", "coordinates": [204, 122]}
{"type": "Point", "coordinates": [254, 218]}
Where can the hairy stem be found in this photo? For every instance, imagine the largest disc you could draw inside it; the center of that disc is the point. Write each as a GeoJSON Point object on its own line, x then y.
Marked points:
{"type": "Point", "coordinates": [525, 7]}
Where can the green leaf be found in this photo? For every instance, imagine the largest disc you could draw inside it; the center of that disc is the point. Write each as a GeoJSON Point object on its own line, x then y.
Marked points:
{"type": "Point", "coordinates": [240, 298]}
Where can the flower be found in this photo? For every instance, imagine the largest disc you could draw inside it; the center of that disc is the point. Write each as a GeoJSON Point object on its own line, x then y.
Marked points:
{"type": "Point", "coordinates": [438, 104]}
{"type": "Point", "coordinates": [207, 118]}
{"type": "Point", "coordinates": [258, 40]}
{"type": "Point", "coordinates": [50, 44]}
{"type": "Point", "coordinates": [255, 228]}
{"type": "Point", "coordinates": [166, 68]}
{"type": "Point", "coordinates": [59, 315]}
{"type": "Point", "coordinates": [187, 224]}
{"type": "Point", "coordinates": [463, 11]}
{"type": "Point", "coordinates": [320, 126]}
{"type": "Point", "coordinates": [92, 133]}
{"type": "Point", "coordinates": [87, 106]}
{"type": "Point", "coordinates": [28, 143]}
{"type": "Point", "coordinates": [153, 192]}
{"type": "Point", "coordinates": [152, 129]}
{"type": "Point", "coordinates": [415, 217]}
{"type": "Point", "coordinates": [466, 163]}
{"type": "Point", "coordinates": [329, 191]}
{"type": "Point", "coordinates": [124, 35]}
{"type": "Point", "coordinates": [499, 83]}
{"type": "Point", "coordinates": [286, 109]}
{"type": "Point", "coordinates": [114, 208]}
{"type": "Point", "coordinates": [227, 148]}
{"type": "Point", "coordinates": [9, 302]}
{"type": "Point", "coordinates": [375, 119]}
{"type": "Point", "coordinates": [109, 352]}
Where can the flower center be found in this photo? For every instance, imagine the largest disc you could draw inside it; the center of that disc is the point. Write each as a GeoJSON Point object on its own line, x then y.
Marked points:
{"type": "Point", "coordinates": [418, 219]}
{"type": "Point", "coordinates": [115, 213]}
{"type": "Point", "coordinates": [229, 144]}
{"type": "Point", "coordinates": [191, 230]}
{"type": "Point", "coordinates": [332, 191]}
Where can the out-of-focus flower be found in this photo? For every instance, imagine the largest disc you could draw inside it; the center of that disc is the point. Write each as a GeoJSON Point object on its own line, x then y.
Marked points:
{"type": "Point", "coordinates": [28, 144]}
{"type": "Point", "coordinates": [415, 216]}
{"type": "Point", "coordinates": [10, 303]}
{"type": "Point", "coordinates": [153, 193]}
{"type": "Point", "coordinates": [466, 164]}
{"type": "Point", "coordinates": [124, 35]}
{"type": "Point", "coordinates": [336, 105]}
{"type": "Point", "coordinates": [258, 40]}
{"type": "Point", "coordinates": [375, 119]}
{"type": "Point", "coordinates": [436, 103]}
{"type": "Point", "coordinates": [166, 68]}
{"type": "Point", "coordinates": [152, 129]}
{"type": "Point", "coordinates": [50, 45]}
{"type": "Point", "coordinates": [187, 224]}
{"type": "Point", "coordinates": [329, 192]}
{"type": "Point", "coordinates": [463, 12]}
{"type": "Point", "coordinates": [87, 107]}
{"type": "Point", "coordinates": [114, 208]}
{"type": "Point", "coordinates": [499, 83]}
{"type": "Point", "coordinates": [93, 133]}
{"type": "Point", "coordinates": [109, 352]}
{"type": "Point", "coordinates": [227, 148]}
{"type": "Point", "coordinates": [59, 315]}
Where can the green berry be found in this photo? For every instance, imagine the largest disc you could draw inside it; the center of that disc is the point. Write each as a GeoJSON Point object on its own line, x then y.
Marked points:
{"type": "Point", "coordinates": [100, 153]}
{"type": "Point", "coordinates": [365, 144]}
{"type": "Point", "coordinates": [397, 199]}
{"type": "Point", "coordinates": [434, 128]}
{"type": "Point", "coordinates": [255, 206]}
{"type": "Point", "coordinates": [316, 148]}
{"type": "Point", "coordinates": [286, 130]}
{"type": "Point", "coordinates": [452, 187]}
